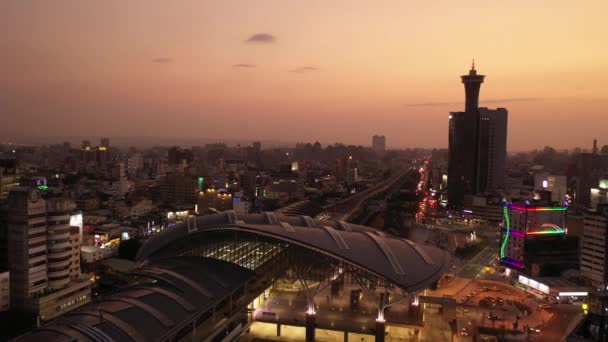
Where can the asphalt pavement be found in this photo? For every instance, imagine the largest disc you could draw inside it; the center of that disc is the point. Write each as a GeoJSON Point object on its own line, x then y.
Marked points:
{"type": "Point", "coordinates": [473, 267]}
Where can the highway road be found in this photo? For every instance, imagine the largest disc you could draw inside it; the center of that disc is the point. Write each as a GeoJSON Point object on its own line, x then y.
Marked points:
{"type": "Point", "coordinates": [344, 209]}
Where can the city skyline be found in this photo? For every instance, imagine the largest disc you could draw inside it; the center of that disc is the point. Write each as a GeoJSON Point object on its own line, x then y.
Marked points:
{"type": "Point", "coordinates": [301, 72]}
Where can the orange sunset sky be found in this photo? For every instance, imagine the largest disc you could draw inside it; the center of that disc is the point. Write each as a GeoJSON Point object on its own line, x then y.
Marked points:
{"type": "Point", "coordinates": [302, 70]}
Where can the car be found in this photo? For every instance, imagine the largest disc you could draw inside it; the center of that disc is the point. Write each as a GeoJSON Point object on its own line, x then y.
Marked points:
{"type": "Point", "coordinates": [545, 306]}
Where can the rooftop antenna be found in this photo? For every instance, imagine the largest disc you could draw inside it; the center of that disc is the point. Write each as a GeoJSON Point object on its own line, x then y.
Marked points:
{"type": "Point", "coordinates": [473, 64]}
{"type": "Point", "coordinates": [594, 146]}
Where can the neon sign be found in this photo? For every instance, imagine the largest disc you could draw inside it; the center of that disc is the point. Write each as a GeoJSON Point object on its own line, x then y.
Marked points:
{"type": "Point", "coordinates": [505, 213]}
{"type": "Point", "coordinates": [518, 207]}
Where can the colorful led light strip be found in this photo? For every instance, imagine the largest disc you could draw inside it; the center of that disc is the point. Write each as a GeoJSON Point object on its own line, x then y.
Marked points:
{"type": "Point", "coordinates": [522, 235]}
{"type": "Point", "coordinates": [556, 230]}
{"type": "Point", "coordinates": [546, 232]}
{"type": "Point", "coordinates": [513, 263]}
{"type": "Point", "coordinates": [520, 208]}
{"type": "Point", "coordinates": [554, 226]}
{"type": "Point", "coordinates": [505, 213]}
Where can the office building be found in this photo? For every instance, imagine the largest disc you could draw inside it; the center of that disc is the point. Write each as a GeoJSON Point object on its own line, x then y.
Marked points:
{"type": "Point", "coordinates": [214, 200]}
{"type": "Point", "coordinates": [590, 168]}
{"type": "Point", "coordinates": [534, 239]}
{"type": "Point", "coordinates": [27, 244]}
{"type": "Point", "coordinates": [556, 185]}
{"type": "Point", "coordinates": [379, 144]}
{"type": "Point", "coordinates": [103, 152]}
{"type": "Point", "coordinates": [598, 195]}
{"type": "Point", "coordinates": [120, 183]}
{"type": "Point", "coordinates": [483, 209]}
{"type": "Point", "coordinates": [179, 189]}
{"type": "Point", "coordinates": [8, 176]}
{"type": "Point", "coordinates": [594, 247]}
{"type": "Point", "coordinates": [44, 255]}
{"type": "Point", "coordinates": [492, 147]}
{"type": "Point", "coordinates": [134, 164]}
{"type": "Point", "coordinates": [477, 146]}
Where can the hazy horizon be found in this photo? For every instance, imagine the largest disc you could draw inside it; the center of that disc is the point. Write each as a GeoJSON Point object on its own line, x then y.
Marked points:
{"type": "Point", "coordinates": [190, 141]}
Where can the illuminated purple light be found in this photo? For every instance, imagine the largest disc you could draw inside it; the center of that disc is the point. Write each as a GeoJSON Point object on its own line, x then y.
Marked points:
{"type": "Point", "coordinates": [514, 233]}
{"type": "Point", "coordinates": [513, 263]}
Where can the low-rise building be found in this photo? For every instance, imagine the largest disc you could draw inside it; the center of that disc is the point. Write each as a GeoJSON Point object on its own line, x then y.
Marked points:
{"type": "Point", "coordinates": [91, 254]}
{"type": "Point", "coordinates": [483, 209]}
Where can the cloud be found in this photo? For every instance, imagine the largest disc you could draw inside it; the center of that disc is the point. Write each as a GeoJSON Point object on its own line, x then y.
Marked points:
{"type": "Point", "coordinates": [264, 38]}
{"type": "Point", "coordinates": [430, 104]}
{"type": "Point", "coordinates": [304, 69]}
{"type": "Point", "coordinates": [162, 60]}
{"type": "Point", "coordinates": [512, 99]}
{"type": "Point", "coordinates": [481, 102]}
{"type": "Point", "coordinates": [244, 66]}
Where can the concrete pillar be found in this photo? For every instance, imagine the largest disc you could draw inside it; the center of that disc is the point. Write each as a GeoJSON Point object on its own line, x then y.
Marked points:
{"type": "Point", "coordinates": [346, 336]}
{"type": "Point", "coordinates": [278, 329]}
{"type": "Point", "coordinates": [310, 326]}
{"type": "Point", "coordinates": [380, 330]}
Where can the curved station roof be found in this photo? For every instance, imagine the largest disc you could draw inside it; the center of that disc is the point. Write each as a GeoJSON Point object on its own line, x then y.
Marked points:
{"type": "Point", "coordinates": [179, 290]}
{"type": "Point", "coordinates": [409, 266]}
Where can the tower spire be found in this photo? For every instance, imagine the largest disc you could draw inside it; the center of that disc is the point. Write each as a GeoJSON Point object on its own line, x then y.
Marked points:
{"type": "Point", "coordinates": [473, 64]}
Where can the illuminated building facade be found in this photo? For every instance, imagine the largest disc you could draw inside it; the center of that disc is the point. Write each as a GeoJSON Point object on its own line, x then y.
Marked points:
{"type": "Point", "coordinates": [534, 239]}
{"type": "Point", "coordinates": [216, 200]}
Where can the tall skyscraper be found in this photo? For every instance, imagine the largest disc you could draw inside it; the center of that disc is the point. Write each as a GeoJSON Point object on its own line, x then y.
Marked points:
{"type": "Point", "coordinates": [478, 145]}
{"type": "Point", "coordinates": [379, 144]}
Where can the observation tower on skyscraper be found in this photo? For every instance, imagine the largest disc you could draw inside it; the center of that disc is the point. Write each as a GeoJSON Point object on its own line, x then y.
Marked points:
{"type": "Point", "coordinates": [472, 84]}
